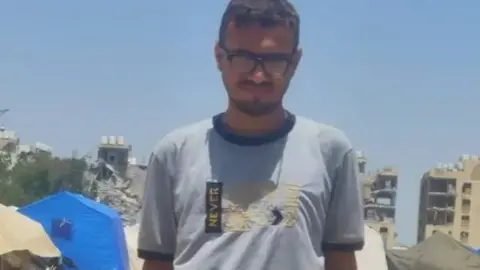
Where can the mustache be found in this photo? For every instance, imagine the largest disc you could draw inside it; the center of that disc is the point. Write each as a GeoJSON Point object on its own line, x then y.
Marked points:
{"type": "Point", "coordinates": [254, 84]}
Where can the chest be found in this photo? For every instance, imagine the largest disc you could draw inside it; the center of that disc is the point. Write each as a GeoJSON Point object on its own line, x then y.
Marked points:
{"type": "Point", "coordinates": [250, 189]}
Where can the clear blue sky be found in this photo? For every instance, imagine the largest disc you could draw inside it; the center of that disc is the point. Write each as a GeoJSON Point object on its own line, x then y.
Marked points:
{"type": "Point", "coordinates": [401, 78]}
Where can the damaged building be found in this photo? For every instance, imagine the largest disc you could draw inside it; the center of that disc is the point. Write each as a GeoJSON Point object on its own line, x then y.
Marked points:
{"type": "Point", "coordinates": [379, 196]}
{"type": "Point", "coordinates": [118, 178]}
{"type": "Point", "coordinates": [450, 201]}
{"type": "Point", "coordinates": [10, 143]}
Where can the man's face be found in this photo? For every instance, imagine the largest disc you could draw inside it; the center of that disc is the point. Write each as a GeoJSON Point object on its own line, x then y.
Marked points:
{"type": "Point", "coordinates": [257, 64]}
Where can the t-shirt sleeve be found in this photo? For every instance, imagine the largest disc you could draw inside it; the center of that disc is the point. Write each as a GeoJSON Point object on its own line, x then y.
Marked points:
{"type": "Point", "coordinates": [344, 228]}
{"type": "Point", "coordinates": [157, 231]}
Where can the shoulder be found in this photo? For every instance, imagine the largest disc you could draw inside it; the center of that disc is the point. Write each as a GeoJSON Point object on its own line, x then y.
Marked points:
{"type": "Point", "coordinates": [331, 141]}
{"type": "Point", "coordinates": [326, 135]}
{"type": "Point", "coordinates": [181, 137]}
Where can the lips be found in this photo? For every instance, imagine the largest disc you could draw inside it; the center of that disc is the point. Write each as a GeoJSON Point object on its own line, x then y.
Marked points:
{"type": "Point", "coordinates": [258, 90]}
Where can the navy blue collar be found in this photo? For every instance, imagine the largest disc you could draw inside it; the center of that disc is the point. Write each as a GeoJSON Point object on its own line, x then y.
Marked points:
{"type": "Point", "coordinates": [230, 136]}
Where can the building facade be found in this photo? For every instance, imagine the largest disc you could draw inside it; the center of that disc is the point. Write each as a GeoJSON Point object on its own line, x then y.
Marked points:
{"type": "Point", "coordinates": [8, 141]}
{"type": "Point", "coordinates": [450, 201]}
{"type": "Point", "coordinates": [379, 196]}
{"type": "Point", "coordinates": [114, 153]}
{"type": "Point", "coordinates": [10, 144]}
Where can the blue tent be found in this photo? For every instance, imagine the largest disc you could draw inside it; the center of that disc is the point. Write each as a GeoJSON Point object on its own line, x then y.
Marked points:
{"type": "Point", "coordinates": [89, 233]}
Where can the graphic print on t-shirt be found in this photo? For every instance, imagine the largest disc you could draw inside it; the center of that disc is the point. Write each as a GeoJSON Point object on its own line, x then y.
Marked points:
{"type": "Point", "coordinates": [251, 205]}
{"type": "Point", "coordinates": [213, 207]}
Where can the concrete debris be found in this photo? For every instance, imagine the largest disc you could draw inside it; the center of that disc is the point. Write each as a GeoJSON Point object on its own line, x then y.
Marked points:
{"type": "Point", "coordinates": [122, 193]}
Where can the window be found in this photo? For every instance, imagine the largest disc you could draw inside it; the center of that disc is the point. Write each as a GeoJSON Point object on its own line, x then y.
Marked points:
{"type": "Point", "coordinates": [451, 189]}
{"type": "Point", "coordinates": [361, 167]}
{"type": "Point", "coordinates": [449, 218]}
{"type": "Point", "coordinates": [464, 237]}
{"type": "Point", "coordinates": [465, 206]}
{"type": "Point", "coordinates": [440, 217]}
{"type": "Point", "coordinates": [388, 184]}
{"type": "Point", "coordinates": [465, 221]}
{"type": "Point", "coordinates": [371, 215]}
{"type": "Point", "coordinates": [467, 189]}
{"type": "Point", "coordinates": [441, 185]}
{"type": "Point", "coordinates": [441, 201]}
{"type": "Point", "coordinates": [384, 201]}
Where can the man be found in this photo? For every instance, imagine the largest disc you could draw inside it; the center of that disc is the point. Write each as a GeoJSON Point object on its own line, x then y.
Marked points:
{"type": "Point", "coordinates": [254, 188]}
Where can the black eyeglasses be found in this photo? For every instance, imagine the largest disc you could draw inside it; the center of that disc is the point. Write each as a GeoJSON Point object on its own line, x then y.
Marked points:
{"type": "Point", "coordinates": [243, 61]}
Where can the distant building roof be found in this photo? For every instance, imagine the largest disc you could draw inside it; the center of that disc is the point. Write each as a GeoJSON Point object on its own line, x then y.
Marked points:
{"type": "Point", "coordinates": [8, 134]}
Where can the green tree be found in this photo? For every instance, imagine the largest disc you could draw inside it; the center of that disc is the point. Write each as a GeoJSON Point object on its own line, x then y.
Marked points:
{"type": "Point", "coordinates": [32, 175]}
{"type": "Point", "coordinates": [10, 193]}
{"type": "Point", "coordinates": [5, 164]}
{"type": "Point", "coordinates": [37, 175]}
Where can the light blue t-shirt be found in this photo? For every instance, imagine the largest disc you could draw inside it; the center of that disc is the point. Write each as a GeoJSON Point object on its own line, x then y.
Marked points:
{"type": "Point", "coordinates": [216, 200]}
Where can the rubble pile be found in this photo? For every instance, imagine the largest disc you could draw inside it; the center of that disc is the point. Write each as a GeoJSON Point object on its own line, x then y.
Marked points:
{"type": "Point", "coordinates": [124, 194]}
{"type": "Point", "coordinates": [117, 195]}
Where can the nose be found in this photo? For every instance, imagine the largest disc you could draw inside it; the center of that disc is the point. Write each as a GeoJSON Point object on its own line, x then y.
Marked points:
{"type": "Point", "coordinates": [258, 76]}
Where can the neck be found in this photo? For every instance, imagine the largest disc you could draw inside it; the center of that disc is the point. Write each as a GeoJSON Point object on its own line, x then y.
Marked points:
{"type": "Point", "coordinates": [248, 125]}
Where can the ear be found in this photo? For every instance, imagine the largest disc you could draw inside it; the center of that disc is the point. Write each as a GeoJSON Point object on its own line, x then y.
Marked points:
{"type": "Point", "coordinates": [219, 55]}
{"type": "Point", "coordinates": [297, 56]}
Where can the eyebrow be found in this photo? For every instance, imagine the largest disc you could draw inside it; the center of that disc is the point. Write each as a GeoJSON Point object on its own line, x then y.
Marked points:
{"type": "Point", "coordinates": [267, 55]}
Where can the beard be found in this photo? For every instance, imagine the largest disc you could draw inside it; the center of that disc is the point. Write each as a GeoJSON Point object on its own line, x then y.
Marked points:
{"type": "Point", "coordinates": [255, 108]}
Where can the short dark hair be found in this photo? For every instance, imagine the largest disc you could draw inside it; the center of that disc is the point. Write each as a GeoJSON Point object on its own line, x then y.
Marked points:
{"type": "Point", "coordinates": [266, 12]}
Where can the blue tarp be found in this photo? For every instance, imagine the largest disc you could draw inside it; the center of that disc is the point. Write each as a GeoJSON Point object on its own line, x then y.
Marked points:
{"type": "Point", "coordinates": [89, 233]}
{"type": "Point", "coordinates": [478, 251]}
